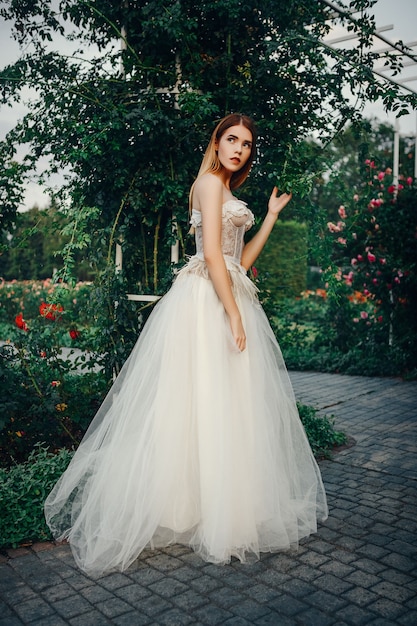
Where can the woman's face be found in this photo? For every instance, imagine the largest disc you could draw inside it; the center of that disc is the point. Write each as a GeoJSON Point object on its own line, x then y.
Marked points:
{"type": "Point", "coordinates": [234, 147]}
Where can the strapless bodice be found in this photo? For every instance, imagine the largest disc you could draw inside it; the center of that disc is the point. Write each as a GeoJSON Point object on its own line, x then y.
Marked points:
{"type": "Point", "coordinates": [237, 218]}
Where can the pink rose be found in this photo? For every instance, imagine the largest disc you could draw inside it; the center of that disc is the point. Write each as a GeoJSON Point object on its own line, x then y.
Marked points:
{"type": "Point", "coordinates": [356, 197]}
{"type": "Point", "coordinates": [356, 320]}
{"type": "Point", "coordinates": [409, 180]}
{"type": "Point", "coordinates": [353, 262]}
{"type": "Point", "coordinates": [371, 257]}
{"type": "Point", "coordinates": [333, 228]}
{"type": "Point", "coordinates": [364, 315]}
{"type": "Point", "coordinates": [360, 257]}
{"type": "Point", "coordinates": [341, 241]}
{"type": "Point", "coordinates": [381, 175]}
{"type": "Point", "coordinates": [342, 212]}
{"type": "Point", "coordinates": [391, 189]}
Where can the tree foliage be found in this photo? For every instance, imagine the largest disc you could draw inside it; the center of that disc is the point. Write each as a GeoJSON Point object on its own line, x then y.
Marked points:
{"type": "Point", "coordinates": [127, 113]}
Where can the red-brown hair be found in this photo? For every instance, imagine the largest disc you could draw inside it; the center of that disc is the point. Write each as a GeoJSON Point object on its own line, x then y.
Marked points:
{"type": "Point", "coordinates": [211, 163]}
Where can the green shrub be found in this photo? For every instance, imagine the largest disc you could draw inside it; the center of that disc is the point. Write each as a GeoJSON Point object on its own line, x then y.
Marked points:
{"type": "Point", "coordinates": [320, 431]}
{"type": "Point", "coordinates": [23, 489]}
{"type": "Point", "coordinates": [282, 265]}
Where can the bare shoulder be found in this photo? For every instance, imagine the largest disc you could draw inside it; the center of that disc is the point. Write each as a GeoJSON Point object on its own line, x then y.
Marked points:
{"type": "Point", "coordinates": [207, 188]}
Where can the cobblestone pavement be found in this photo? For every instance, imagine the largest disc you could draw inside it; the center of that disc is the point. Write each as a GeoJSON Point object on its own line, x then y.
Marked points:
{"type": "Point", "coordinates": [360, 568]}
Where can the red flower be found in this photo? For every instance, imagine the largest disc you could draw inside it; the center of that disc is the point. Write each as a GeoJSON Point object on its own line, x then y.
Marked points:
{"type": "Point", "coordinates": [371, 257]}
{"type": "Point", "coordinates": [20, 322]}
{"type": "Point", "coordinates": [50, 310]}
{"type": "Point", "coordinates": [391, 189]}
{"type": "Point", "coordinates": [74, 333]}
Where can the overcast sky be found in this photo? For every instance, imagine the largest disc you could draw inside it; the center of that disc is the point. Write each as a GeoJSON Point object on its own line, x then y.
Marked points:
{"type": "Point", "coordinates": [401, 14]}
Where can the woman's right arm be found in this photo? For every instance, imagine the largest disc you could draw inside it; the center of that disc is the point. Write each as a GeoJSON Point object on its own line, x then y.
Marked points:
{"type": "Point", "coordinates": [208, 195]}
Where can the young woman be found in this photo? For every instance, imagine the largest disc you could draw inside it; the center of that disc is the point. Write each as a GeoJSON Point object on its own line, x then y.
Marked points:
{"type": "Point", "coordinates": [199, 440]}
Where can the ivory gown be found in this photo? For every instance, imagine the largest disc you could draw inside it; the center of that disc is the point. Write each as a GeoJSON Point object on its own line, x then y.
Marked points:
{"type": "Point", "coordinates": [196, 443]}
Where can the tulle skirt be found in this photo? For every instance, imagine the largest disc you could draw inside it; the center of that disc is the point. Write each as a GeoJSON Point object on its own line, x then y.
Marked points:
{"type": "Point", "coordinates": [196, 443]}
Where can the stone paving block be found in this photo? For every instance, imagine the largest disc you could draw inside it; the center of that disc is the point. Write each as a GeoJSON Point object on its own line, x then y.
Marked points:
{"type": "Point", "coordinates": [393, 592]}
{"type": "Point", "coordinates": [320, 599]}
{"type": "Point", "coordinates": [193, 560]}
{"type": "Point", "coordinates": [93, 618]}
{"type": "Point", "coordinates": [408, 619]}
{"type": "Point", "coordinates": [57, 592]}
{"type": "Point", "coordinates": [355, 615]}
{"type": "Point", "coordinates": [133, 594]}
{"type": "Point", "coordinates": [287, 605]}
{"type": "Point", "coordinates": [399, 561]}
{"type": "Point", "coordinates": [305, 572]}
{"type": "Point", "coordinates": [275, 619]}
{"type": "Point", "coordinates": [226, 597]}
{"type": "Point", "coordinates": [387, 608]}
{"type": "Point", "coordinates": [153, 605]}
{"type": "Point", "coordinates": [372, 551]}
{"type": "Point", "coordinates": [314, 559]}
{"type": "Point", "coordinates": [135, 618]}
{"type": "Point", "coordinates": [114, 581]}
{"type": "Point", "coordinates": [96, 594]}
{"type": "Point", "coordinates": [349, 542]}
{"type": "Point", "coordinates": [79, 581]}
{"type": "Point", "coordinates": [174, 617]}
{"type": "Point", "coordinates": [263, 593]}
{"type": "Point", "coordinates": [360, 596]}
{"type": "Point", "coordinates": [190, 600]}
{"type": "Point", "coordinates": [314, 617]}
{"type": "Point", "coordinates": [114, 607]}
{"type": "Point", "coordinates": [273, 577]}
{"type": "Point", "coordinates": [250, 610]}
{"type": "Point", "coordinates": [35, 608]}
{"type": "Point", "coordinates": [10, 621]}
{"type": "Point", "coordinates": [396, 577]}
{"type": "Point", "coordinates": [168, 587]}
{"type": "Point", "coordinates": [331, 583]}
{"type": "Point", "coordinates": [147, 576]}
{"type": "Point", "coordinates": [211, 615]}
{"type": "Point", "coordinates": [363, 579]}
{"type": "Point", "coordinates": [297, 588]}
{"type": "Point", "coordinates": [344, 556]}
{"type": "Point", "coordinates": [17, 592]}
{"type": "Point", "coordinates": [205, 584]}
{"type": "Point", "coordinates": [237, 621]}
{"type": "Point", "coordinates": [185, 574]}
{"type": "Point", "coordinates": [51, 620]}
{"type": "Point", "coordinates": [72, 606]}
{"type": "Point", "coordinates": [341, 570]}
{"type": "Point", "coordinates": [165, 563]}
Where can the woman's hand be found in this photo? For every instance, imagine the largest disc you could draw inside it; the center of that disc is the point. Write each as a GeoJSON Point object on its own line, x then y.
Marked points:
{"type": "Point", "coordinates": [278, 202]}
{"type": "Point", "coordinates": [238, 332]}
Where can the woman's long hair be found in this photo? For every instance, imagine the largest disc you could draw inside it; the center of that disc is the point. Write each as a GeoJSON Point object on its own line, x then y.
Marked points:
{"type": "Point", "coordinates": [211, 163]}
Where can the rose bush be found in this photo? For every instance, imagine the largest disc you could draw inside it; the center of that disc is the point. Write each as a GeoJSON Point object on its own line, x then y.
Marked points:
{"type": "Point", "coordinates": [52, 391]}
{"type": "Point", "coordinates": [371, 275]}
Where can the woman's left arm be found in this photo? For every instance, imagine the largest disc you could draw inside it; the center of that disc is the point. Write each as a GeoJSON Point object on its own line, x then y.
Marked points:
{"type": "Point", "coordinates": [254, 247]}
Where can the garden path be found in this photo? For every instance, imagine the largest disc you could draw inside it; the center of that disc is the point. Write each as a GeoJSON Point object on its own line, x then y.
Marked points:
{"type": "Point", "coordinates": [359, 569]}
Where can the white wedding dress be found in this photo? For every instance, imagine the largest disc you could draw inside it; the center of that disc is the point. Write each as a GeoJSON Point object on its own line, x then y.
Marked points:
{"type": "Point", "coordinates": [196, 443]}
